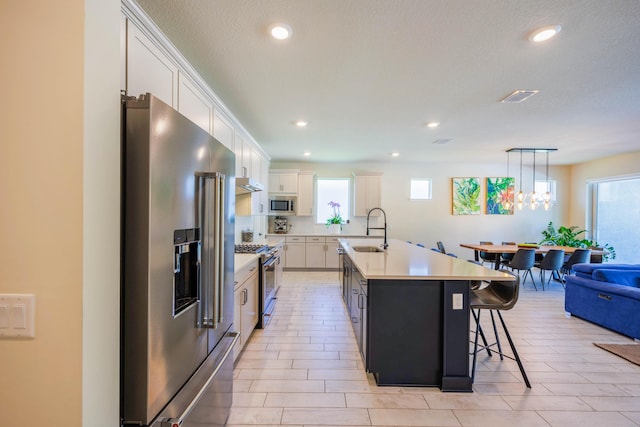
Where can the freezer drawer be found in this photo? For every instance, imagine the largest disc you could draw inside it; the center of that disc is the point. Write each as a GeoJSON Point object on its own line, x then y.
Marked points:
{"type": "Point", "coordinates": [205, 401]}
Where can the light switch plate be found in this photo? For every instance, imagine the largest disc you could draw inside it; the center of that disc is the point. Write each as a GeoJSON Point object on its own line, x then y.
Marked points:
{"type": "Point", "coordinates": [458, 301]}
{"type": "Point", "coordinates": [17, 315]}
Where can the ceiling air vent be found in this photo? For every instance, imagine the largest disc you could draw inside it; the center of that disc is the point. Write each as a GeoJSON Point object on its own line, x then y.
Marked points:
{"type": "Point", "coordinates": [519, 96]}
{"type": "Point", "coordinates": [441, 141]}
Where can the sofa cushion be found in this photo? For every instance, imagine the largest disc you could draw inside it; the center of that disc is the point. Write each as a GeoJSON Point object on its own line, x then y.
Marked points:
{"type": "Point", "coordinates": [586, 270]}
{"type": "Point", "coordinates": [621, 277]}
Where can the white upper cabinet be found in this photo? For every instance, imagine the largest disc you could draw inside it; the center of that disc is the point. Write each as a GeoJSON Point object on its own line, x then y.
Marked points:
{"type": "Point", "coordinates": [223, 130]}
{"type": "Point", "coordinates": [367, 191]}
{"type": "Point", "coordinates": [305, 193]}
{"type": "Point", "coordinates": [282, 181]}
{"type": "Point", "coordinates": [193, 104]}
{"type": "Point", "coordinates": [149, 69]}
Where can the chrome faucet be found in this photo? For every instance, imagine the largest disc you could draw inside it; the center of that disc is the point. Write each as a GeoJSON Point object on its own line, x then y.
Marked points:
{"type": "Point", "coordinates": [385, 245]}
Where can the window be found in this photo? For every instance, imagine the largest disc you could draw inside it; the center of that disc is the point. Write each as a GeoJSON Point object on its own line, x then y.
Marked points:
{"type": "Point", "coordinates": [615, 208]}
{"type": "Point", "coordinates": [420, 189]}
{"type": "Point", "coordinates": [542, 187]}
{"type": "Point", "coordinates": [332, 190]}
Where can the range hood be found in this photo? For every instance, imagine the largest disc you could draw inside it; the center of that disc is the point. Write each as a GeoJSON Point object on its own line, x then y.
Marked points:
{"type": "Point", "coordinates": [247, 185]}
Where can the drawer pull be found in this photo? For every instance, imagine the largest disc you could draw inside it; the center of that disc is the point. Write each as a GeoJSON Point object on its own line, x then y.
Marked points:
{"type": "Point", "coordinates": [605, 297]}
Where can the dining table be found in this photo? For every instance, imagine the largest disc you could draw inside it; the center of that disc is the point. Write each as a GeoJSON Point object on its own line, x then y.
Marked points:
{"type": "Point", "coordinates": [512, 249]}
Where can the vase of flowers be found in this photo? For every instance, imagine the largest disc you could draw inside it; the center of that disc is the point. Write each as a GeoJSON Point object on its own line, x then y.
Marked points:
{"type": "Point", "coordinates": [334, 223]}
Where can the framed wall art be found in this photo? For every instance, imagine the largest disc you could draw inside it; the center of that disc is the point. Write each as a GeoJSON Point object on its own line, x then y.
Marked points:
{"type": "Point", "coordinates": [500, 195]}
{"type": "Point", "coordinates": [466, 196]}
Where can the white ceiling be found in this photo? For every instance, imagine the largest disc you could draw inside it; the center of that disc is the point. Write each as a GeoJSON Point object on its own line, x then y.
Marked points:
{"type": "Point", "coordinates": [368, 74]}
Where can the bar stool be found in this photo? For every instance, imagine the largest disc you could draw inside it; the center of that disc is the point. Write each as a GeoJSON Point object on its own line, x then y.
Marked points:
{"type": "Point", "coordinates": [496, 296]}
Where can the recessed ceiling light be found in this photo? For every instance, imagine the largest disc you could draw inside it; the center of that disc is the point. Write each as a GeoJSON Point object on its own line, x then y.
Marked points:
{"type": "Point", "coordinates": [280, 31]}
{"type": "Point", "coordinates": [433, 124]}
{"type": "Point", "coordinates": [306, 153]}
{"type": "Point", "coordinates": [518, 96]}
{"type": "Point", "coordinates": [544, 33]}
{"type": "Point", "coordinates": [301, 123]}
{"type": "Point", "coordinates": [395, 154]}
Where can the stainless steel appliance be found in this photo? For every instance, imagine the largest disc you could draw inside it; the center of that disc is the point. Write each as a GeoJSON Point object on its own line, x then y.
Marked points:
{"type": "Point", "coordinates": [282, 205]}
{"type": "Point", "coordinates": [177, 263]}
{"type": "Point", "coordinates": [280, 225]}
{"type": "Point", "coordinates": [269, 279]}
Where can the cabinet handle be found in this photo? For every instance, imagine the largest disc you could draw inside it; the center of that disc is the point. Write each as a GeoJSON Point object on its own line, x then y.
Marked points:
{"type": "Point", "coordinates": [360, 305]}
{"type": "Point", "coordinates": [355, 291]}
{"type": "Point", "coordinates": [244, 172]}
{"type": "Point", "coordinates": [605, 297]}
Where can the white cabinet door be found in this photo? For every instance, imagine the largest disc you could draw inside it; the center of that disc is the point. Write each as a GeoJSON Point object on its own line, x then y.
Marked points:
{"type": "Point", "coordinates": [305, 194]}
{"type": "Point", "coordinates": [332, 259]}
{"type": "Point", "coordinates": [294, 248]}
{"type": "Point", "coordinates": [193, 104]}
{"type": "Point", "coordinates": [149, 69]}
{"type": "Point", "coordinates": [284, 183]}
{"type": "Point", "coordinates": [314, 252]}
{"type": "Point", "coordinates": [367, 189]}
{"type": "Point", "coordinates": [223, 130]}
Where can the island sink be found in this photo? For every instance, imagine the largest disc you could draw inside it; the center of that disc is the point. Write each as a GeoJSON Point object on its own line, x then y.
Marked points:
{"type": "Point", "coordinates": [366, 249]}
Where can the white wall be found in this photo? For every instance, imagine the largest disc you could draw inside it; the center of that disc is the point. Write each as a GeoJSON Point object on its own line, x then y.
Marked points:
{"type": "Point", "coordinates": [430, 221]}
{"type": "Point", "coordinates": [581, 174]}
{"type": "Point", "coordinates": [101, 216]}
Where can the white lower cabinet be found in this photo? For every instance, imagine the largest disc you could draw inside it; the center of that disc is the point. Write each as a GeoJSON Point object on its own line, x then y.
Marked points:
{"type": "Point", "coordinates": [312, 252]}
{"type": "Point", "coordinates": [315, 249]}
{"type": "Point", "coordinates": [294, 248]}
{"type": "Point", "coordinates": [331, 258]}
{"type": "Point", "coordinates": [245, 315]}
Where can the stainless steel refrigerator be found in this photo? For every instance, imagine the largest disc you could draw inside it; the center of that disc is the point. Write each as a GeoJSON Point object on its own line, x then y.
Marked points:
{"type": "Point", "coordinates": [177, 263]}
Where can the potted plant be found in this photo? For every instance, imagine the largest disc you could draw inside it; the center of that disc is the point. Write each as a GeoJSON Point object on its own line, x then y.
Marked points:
{"type": "Point", "coordinates": [334, 223]}
{"type": "Point", "coordinates": [570, 236]}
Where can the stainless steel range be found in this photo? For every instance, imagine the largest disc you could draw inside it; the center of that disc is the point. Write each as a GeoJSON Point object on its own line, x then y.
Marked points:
{"type": "Point", "coordinates": [270, 276]}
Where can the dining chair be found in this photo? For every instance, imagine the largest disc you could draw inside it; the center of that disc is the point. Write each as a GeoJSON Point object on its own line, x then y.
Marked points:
{"type": "Point", "coordinates": [524, 259]}
{"type": "Point", "coordinates": [553, 261]}
{"type": "Point", "coordinates": [497, 296]}
{"type": "Point", "coordinates": [579, 256]}
{"type": "Point", "coordinates": [505, 257]}
{"type": "Point", "coordinates": [487, 257]}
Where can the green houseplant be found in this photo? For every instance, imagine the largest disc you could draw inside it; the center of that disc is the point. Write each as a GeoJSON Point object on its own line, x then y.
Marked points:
{"type": "Point", "coordinates": [571, 236]}
{"type": "Point", "coordinates": [336, 218]}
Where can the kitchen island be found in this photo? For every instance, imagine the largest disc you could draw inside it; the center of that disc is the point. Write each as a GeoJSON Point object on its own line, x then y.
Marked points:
{"type": "Point", "coordinates": [409, 308]}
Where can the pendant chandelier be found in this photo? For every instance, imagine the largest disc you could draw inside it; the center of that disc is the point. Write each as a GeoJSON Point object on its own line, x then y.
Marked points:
{"type": "Point", "coordinates": [532, 198]}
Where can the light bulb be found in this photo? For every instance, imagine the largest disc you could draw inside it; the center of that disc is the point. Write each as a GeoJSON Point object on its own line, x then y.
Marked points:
{"type": "Point", "coordinates": [520, 196]}
{"type": "Point", "coordinates": [520, 205]}
{"type": "Point", "coordinates": [547, 205]}
{"type": "Point", "coordinates": [534, 196]}
{"type": "Point", "coordinates": [546, 197]}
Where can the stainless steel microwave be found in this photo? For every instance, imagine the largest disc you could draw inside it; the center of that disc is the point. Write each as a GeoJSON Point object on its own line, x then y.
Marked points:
{"type": "Point", "coordinates": [279, 205]}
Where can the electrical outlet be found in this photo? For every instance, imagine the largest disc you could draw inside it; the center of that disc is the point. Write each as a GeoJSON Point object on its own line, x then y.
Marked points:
{"type": "Point", "coordinates": [458, 301]}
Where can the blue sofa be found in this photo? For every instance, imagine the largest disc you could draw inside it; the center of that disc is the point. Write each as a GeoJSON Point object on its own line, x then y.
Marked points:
{"type": "Point", "coordinates": [607, 295]}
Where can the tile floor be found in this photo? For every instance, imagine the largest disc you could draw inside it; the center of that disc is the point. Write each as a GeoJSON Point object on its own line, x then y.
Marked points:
{"type": "Point", "coordinates": [305, 369]}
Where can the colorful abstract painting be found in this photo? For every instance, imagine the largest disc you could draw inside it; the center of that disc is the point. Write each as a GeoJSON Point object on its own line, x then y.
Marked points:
{"type": "Point", "coordinates": [500, 196]}
{"type": "Point", "coordinates": [466, 196]}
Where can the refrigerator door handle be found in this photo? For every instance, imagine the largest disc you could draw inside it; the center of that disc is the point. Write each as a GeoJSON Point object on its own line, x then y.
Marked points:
{"type": "Point", "coordinates": [212, 195]}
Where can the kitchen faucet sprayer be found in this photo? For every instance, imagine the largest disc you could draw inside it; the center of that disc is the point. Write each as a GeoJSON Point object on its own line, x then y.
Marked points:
{"type": "Point", "coordinates": [385, 245]}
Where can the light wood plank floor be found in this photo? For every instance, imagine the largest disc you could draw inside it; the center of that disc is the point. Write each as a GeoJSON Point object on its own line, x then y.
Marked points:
{"type": "Point", "coordinates": [304, 369]}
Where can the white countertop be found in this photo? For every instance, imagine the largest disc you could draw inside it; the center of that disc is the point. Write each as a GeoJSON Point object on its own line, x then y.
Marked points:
{"type": "Point", "coordinates": [340, 235]}
{"type": "Point", "coordinates": [403, 260]}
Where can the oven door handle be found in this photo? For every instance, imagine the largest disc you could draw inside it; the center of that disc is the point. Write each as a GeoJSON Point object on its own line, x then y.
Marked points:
{"type": "Point", "coordinates": [271, 261]}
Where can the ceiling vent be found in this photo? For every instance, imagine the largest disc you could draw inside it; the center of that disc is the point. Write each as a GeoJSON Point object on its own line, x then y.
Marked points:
{"type": "Point", "coordinates": [518, 96]}
{"type": "Point", "coordinates": [442, 141]}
